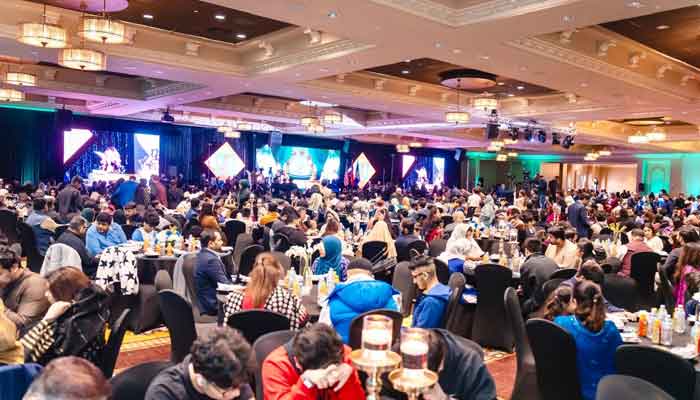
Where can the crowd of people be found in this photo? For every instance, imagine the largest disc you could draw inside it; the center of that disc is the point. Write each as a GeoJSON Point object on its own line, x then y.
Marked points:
{"type": "Point", "coordinates": [59, 308]}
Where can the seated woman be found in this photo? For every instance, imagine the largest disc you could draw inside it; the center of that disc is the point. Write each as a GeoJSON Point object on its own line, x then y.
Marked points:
{"type": "Point", "coordinates": [453, 255]}
{"type": "Point", "coordinates": [688, 262]}
{"type": "Point", "coordinates": [380, 232]}
{"type": "Point", "coordinates": [263, 292]}
{"type": "Point", "coordinates": [207, 218]}
{"type": "Point", "coordinates": [650, 238]}
{"type": "Point", "coordinates": [596, 339]}
{"type": "Point", "coordinates": [75, 322]}
{"type": "Point", "coordinates": [330, 258]}
{"type": "Point", "coordinates": [11, 351]}
{"type": "Point", "coordinates": [465, 233]}
{"type": "Point", "coordinates": [559, 303]}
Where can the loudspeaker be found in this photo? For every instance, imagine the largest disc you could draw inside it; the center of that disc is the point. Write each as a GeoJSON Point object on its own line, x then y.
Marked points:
{"type": "Point", "coordinates": [491, 131]}
{"type": "Point", "coordinates": [458, 154]}
{"type": "Point", "coordinates": [275, 139]}
{"type": "Point", "coordinates": [346, 146]}
{"type": "Point", "coordinates": [641, 187]}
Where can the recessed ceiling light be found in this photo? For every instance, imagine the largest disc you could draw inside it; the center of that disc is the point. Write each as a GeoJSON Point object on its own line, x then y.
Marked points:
{"type": "Point", "coordinates": [323, 69]}
{"type": "Point", "coordinates": [148, 16]}
{"type": "Point", "coordinates": [407, 60]}
{"type": "Point", "coordinates": [484, 57]}
{"type": "Point", "coordinates": [567, 18]}
{"type": "Point", "coordinates": [220, 17]}
{"type": "Point", "coordinates": [662, 27]}
{"type": "Point", "coordinates": [635, 4]}
{"type": "Point", "coordinates": [241, 36]}
{"type": "Point", "coordinates": [500, 83]}
{"type": "Point", "coordinates": [510, 95]}
{"type": "Point", "coordinates": [438, 45]}
{"type": "Point", "coordinates": [332, 14]}
{"type": "Point", "coordinates": [521, 87]}
{"type": "Point", "coordinates": [158, 72]}
{"type": "Point", "coordinates": [584, 84]}
{"type": "Point", "coordinates": [405, 72]}
{"type": "Point", "coordinates": [196, 11]}
{"type": "Point", "coordinates": [456, 51]}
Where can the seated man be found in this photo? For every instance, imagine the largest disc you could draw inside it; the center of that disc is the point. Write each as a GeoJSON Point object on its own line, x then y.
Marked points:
{"type": "Point", "coordinates": [102, 234]}
{"type": "Point", "coordinates": [209, 271]}
{"type": "Point", "coordinates": [534, 272]}
{"type": "Point", "coordinates": [430, 306]}
{"type": "Point", "coordinates": [591, 271]}
{"type": "Point", "coordinates": [291, 228]}
{"type": "Point", "coordinates": [635, 245]}
{"type": "Point", "coordinates": [215, 369]}
{"type": "Point", "coordinates": [358, 294]}
{"type": "Point", "coordinates": [69, 378]}
{"type": "Point", "coordinates": [42, 225]}
{"type": "Point", "coordinates": [562, 251]}
{"type": "Point", "coordinates": [148, 231]}
{"type": "Point", "coordinates": [460, 366]}
{"type": "Point", "coordinates": [314, 364]}
{"type": "Point", "coordinates": [21, 290]}
{"type": "Point", "coordinates": [74, 238]}
{"type": "Point", "coordinates": [408, 233]}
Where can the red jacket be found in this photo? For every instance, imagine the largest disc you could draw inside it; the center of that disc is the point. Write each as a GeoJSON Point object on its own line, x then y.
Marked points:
{"type": "Point", "coordinates": [280, 381]}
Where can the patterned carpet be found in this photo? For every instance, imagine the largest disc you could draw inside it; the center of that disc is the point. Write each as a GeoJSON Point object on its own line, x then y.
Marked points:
{"type": "Point", "coordinates": [155, 346]}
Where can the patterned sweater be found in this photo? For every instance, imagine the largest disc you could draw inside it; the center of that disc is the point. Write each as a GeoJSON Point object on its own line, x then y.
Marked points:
{"type": "Point", "coordinates": [280, 301]}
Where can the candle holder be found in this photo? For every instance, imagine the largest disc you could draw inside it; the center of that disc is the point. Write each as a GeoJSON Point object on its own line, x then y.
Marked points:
{"type": "Point", "coordinates": [414, 376]}
{"type": "Point", "coordinates": [375, 357]}
{"type": "Point", "coordinates": [412, 384]}
{"type": "Point", "coordinates": [374, 367]}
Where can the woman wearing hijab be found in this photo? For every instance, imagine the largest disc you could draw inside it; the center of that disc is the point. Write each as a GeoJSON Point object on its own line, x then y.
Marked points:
{"type": "Point", "coordinates": [330, 258]}
{"type": "Point", "coordinates": [380, 232]}
{"type": "Point", "coordinates": [488, 211]}
{"type": "Point", "coordinates": [453, 255]}
{"type": "Point", "coordinates": [464, 233]}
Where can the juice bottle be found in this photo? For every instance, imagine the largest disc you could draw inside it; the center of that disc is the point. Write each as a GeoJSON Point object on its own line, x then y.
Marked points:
{"type": "Point", "coordinates": [656, 332]}
{"type": "Point", "coordinates": [169, 250]}
{"type": "Point", "coordinates": [642, 328]}
{"type": "Point", "coordinates": [146, 244]}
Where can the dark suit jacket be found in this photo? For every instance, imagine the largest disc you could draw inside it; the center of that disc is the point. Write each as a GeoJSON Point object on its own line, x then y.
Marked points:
{"type": "Point", "coordinates": [69, 201]}
{"type": "Point", "coordinates": [209, 271]}
{"type": "Point", "coordinates": [578, 218]}
{"type": "Point", "coordinates": [78, 244]}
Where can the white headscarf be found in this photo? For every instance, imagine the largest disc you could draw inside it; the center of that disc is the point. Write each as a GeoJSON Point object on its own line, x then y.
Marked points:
{"type": "Point", "coordinates": [380, 232]}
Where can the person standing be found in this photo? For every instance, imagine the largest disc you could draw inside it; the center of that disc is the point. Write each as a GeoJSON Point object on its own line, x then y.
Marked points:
{"type": "Point", "coordinates": [577, 215]}
{"type": "Point", "coordinates": [69, 200]}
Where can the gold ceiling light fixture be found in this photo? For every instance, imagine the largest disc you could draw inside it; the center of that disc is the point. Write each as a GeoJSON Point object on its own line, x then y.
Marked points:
{"type": "Point", "coordinates": [11, 95]}
{"type": "Point", "coordinates": [415, 144]}
{"type": "Point", "coordinates": [402, 148]}
{"type": "Point", "coordinates": [42, 34]}
{"type": "Point", "coordinates": [512, 154]}
{"type": "Point", "coordinates": [20, 79]}
{"type": "Point", "coordinates": [638, 138]}
{"type": "Point", "coordinates": [486, 104]}
{"type": "Point", "coordinates": [656, 135]}
{"type": "Point", "coordinates": [310, 119]}
{"type": "Point", "coordinates": [232, 134]}
{"type": "Point", "coordinates": [458, 117]}
{"type": "Point", "coordinates": [102, 29]}
{"type": "Point", "coordinates": [502, 157]}
{"type": "Point", "coordinates": [332, 117]}
{"type": "Point", "coordinates": [316, 128]}
{"type": "Point", "coordinates": [605, 152]}
{"type": "Point", "coordinates": [83, 59]}
{"type": "Point", "coordinates": [244, 126]}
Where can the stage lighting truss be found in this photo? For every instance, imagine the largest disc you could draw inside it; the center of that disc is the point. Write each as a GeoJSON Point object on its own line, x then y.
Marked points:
{"type": "Point", "coordinates": [541, 135]}
{"type": "Point", "coordinates": [555, 138]}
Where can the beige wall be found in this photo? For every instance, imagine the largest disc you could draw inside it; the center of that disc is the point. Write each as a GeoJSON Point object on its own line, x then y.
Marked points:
{"type": "Point", "coordinates": [612, 177]}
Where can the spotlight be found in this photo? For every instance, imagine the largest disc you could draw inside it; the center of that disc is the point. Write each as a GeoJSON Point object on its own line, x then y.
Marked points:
{"type": "Point", "coordinates": [514, 133]}
{"type": "Point", "coordinates": [555, 138]}
{"type": "Point", "coordinates": [568, 141]}
{"type": "Point", "coordinates": [167, 117]}
{"type": "Point", "coordinates": [542, 135]}
{"type": "Point", "coordinates": [528, 134]}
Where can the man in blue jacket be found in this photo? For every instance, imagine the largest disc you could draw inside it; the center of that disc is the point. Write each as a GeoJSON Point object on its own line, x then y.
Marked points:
{"type": "Point", "coordinates": [125, 192]}
{"type": "Point", "coordinates": [578, 216]}
{"type": "Point", "coordinates": [102, 234]}
{"type": "Point", "coordinates": [359, 294]}
{"type": "Point", "coordinates": [209, 271]}
{"type": "Point", "coordinates": [430, 307]}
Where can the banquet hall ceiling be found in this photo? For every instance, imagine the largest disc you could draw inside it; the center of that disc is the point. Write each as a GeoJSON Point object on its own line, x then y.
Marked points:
{"type": "Point", "coordinates": [584, 66]}
{"type": "Point", "coordinates": [192, 17]}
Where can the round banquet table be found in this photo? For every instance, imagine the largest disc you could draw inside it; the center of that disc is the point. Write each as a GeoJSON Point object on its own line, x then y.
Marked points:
{"type": "Point", "coordinates": [679, 340]}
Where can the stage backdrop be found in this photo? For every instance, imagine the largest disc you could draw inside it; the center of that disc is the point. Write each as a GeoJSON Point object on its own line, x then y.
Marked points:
{"type": "Point", "coordinates": [33, 140]}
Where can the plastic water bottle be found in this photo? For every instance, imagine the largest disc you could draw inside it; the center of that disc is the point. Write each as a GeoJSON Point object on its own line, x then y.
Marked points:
{"type": "Point", "coordinates": [662, 312]}
{"type": "Point", "coordinates": [679, 320]}
{"type": "Point", "coordinates": [653, 315]}
{"type": "Point", "coordinates": [667, 331]}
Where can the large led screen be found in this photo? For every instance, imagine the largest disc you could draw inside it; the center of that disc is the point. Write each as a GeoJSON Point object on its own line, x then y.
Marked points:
{"type": "Point", "coordinates": [146, 155]}
{"type": "Point", "coordinates": [301, 164]}
{"type": "Point", "coordinates": [423, 170]}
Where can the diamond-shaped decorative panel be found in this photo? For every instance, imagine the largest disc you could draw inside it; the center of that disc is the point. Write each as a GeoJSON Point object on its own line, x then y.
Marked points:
{"type": "Point", "coordinates": [225, 162]}
{"type": "Point", "coordinates": [363, 170]}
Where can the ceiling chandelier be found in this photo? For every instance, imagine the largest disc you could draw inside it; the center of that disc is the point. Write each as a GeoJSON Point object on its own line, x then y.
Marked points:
{"type": "Point", "coordinates": [332, 117]}
{"type": "Point", "coordinates": [486, 104]}
{"type": "Point", "coordinates": [11, 95]}
{"type": "Point", "coordinates": [232, 134]}
{"type": "Point", "coordinates": [512, 154]}
{"type": "Point", "coordinates": [604, 152]}
{"type": "Point", "coordinates": [459, 116]}
{"type": "Point", "coordinates": [42, 34]}
{"type": "Point", "coordinates": [402, 148]}
{"type": "Point", "coordinates": [656, 135]}
{"type": "Point", "coordinates": [502, 157]}
{"type": "Point", "coordinates": [244, 126]}
{"type": "Point", "coordinates": [101, 29]}
{"type": "Point", "coordinates": [82, 59]}
{"type": "Point", "coordinates": [415, 144]}
{"type": "Point", "coordinates": [316, 128]}
{"type": "Point", "coordinates": [20, 79]}
{"type": "Point", "coordinates": [638, 138]}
